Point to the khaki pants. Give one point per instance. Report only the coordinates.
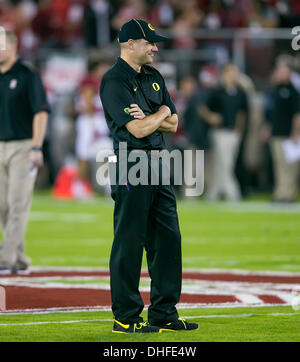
(286, 174)
(16, 186)
(225, 145)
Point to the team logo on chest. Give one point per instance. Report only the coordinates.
(13, 83)
(156, 86)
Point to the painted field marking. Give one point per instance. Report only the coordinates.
(247, 291)
(184, 317)
(251, 206)
(2, 299)
(186, 270)
(99, 308)
(54, 216)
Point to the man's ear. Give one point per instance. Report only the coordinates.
(131, 44)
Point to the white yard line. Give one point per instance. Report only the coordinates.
(244, 291)
(45, 269)
(99, 308)
(110, 320)
(59, 285)
(52, 310)
(248, 298)
(62, 216)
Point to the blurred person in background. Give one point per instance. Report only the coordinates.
(250, 166)
(163, 13)
(283, 123)
(293, 64)
(195, 127)
(92, 132)
(24, 115)
(186, 89)
(130, 9)
(17, 16)
(97, 30)
(225, 111)
(189, 18)
(58, 23)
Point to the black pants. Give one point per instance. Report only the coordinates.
(145, 217)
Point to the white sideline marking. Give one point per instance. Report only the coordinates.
(247, 293)
(100, 308)
(286, 297)
(250, 206)
(248, 298)
(54, 322)
(239, 315)
(188, 270)
(185, 317)
(53, 216)
(46, 269)
(60, 285)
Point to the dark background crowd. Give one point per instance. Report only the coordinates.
(92, 23)
(229, 66)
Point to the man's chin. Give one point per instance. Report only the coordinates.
(149, 60)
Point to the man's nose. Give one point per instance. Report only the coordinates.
(154, 48)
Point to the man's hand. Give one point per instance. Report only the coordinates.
(142, 126)
(136, 111)
(170, 124)
(215, 119)
(212, 118)
(295, 138)
(167, 109)
(265, 133)
(295, 135)
(36, 159)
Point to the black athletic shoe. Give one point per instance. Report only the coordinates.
(20, 269)
(143, 327)
(4, 270)
(178, 325)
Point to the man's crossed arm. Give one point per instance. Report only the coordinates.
(143, 126)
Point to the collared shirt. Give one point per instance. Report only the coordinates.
(22, 95)
(228, 104)
(122, 86)
(282, 106)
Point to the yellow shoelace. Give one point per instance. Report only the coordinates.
(140, 325)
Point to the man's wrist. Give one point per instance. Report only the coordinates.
(36, 148)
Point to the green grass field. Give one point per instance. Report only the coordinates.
(253, 235)
(223, 325)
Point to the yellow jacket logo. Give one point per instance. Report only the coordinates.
(126, 110)
(156, 86)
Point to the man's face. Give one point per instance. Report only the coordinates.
(282, 73)
(230, 75)
(9, 52)
(144, 51)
